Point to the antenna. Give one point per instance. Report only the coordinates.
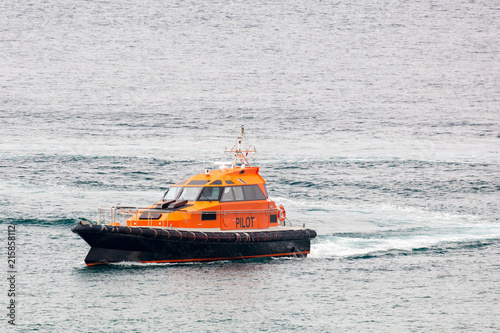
(239, 153)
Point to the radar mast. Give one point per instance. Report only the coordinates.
(240, 153)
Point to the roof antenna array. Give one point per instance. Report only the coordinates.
(241, 154)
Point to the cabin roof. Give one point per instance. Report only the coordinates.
(225, 177)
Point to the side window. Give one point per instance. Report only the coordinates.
(227, 194)
(210, 194)
(253, 192)
(238, 193)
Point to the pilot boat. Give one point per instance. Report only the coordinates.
(220, 214)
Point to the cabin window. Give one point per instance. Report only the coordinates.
(189, 193)
(198, 182)
(172, 193)
(253, 192)
(227, 194)
(240, 193)
(210, 194)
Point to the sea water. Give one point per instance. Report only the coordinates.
(376, 124)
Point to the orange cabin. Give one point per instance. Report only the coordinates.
(226, 199)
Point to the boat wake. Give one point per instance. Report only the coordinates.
(404, 241)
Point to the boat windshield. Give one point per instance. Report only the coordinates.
(189, 193)
(172, 193)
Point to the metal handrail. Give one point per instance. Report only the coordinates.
(121, 214)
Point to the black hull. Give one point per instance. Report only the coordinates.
(116, 244)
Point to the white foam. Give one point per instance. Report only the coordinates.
(338, 246)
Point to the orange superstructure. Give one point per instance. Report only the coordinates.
(226, 199)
